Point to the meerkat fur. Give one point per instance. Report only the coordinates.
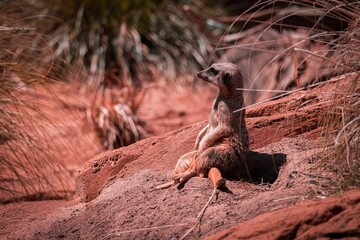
(223, 142)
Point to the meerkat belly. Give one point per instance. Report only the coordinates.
(228, 143)
(223, 156)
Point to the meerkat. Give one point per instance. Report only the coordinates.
(224, 141)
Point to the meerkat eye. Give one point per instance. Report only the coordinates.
(226, 78)
(213, 71)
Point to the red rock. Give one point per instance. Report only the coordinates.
(121, 203)
(333, 218)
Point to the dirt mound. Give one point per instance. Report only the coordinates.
(61, 134)
(333, 218)
(297, 115)
(118, 201)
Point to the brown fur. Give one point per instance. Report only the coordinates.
(223, 142)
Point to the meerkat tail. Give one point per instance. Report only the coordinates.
(165, 185)
(216, 179)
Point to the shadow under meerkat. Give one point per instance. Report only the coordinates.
(256, 168)
(223, 143)
(259, 167)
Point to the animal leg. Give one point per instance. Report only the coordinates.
(184, 162)
(214, 157)
(210, 139)
(192, 170)
(201, 136)
(184, 177)
(181, 173)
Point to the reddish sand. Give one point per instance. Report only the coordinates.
(115, 198)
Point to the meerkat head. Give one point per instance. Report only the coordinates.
(226, 76)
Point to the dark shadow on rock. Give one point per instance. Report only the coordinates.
(181, 186)
(225, 189)
(261, 167)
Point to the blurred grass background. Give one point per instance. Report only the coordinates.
(106, 46)
(124, 42)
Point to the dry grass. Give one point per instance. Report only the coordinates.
(122, 45)
(302, 43)
(126, 42)
(31, 157)
(113, 114)
(25, 156)
(342, 124)
(37, 48)
(309, 42)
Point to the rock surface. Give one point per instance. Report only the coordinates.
(116, 198)
(333, 218)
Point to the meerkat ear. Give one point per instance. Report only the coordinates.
(226, 78)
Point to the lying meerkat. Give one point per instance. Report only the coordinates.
(223, 142)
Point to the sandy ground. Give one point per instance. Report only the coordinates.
(115, 198)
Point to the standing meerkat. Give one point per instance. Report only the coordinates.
(224, 141)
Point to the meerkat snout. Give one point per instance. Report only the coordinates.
(202, 75)
(209, 74)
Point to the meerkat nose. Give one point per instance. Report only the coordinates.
(202, 75)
